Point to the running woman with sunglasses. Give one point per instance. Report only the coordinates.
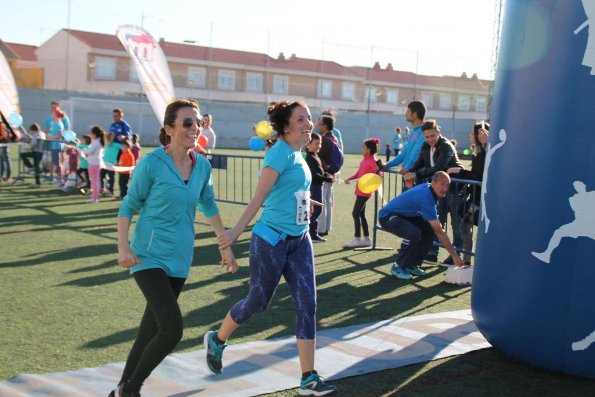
(168, 185)
(280, 244)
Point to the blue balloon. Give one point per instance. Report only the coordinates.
(15, 119)
(69, 135)
(255, 143)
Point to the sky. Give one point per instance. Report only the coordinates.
(434, 37)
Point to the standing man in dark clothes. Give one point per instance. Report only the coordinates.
(318, 177)
(325, 127)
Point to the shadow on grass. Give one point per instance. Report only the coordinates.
(74, 253)
(482, 373)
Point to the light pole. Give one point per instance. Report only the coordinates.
(377, 93)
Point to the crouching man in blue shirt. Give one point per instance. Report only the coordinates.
(413, 215)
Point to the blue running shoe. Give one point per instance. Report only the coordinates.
(400, 272)
(314, 385)
(417, 271)
(214, 353)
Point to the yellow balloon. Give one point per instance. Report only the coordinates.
(369, 183)
(263, 129)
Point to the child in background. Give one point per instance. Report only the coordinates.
(83, 170)
(370, 164)
(135, 148)
(126, 160)
(318, 176)
(71, 155)
(94, 154)
(110, 156)
(387, 152)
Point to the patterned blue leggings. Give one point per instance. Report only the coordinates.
(292, 259)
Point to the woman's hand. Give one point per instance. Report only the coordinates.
(347, 181)
(126, 258)
(227, 238)
(228, 260)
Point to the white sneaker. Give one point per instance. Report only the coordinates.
(357, 242)
(353, 243)
(91, 201)
(366, 241)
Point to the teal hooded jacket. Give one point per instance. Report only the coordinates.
(164, 234)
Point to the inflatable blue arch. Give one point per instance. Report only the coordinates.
(534, 283)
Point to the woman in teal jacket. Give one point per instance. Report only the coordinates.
(167, 187)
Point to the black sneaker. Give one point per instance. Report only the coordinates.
(314, 385)
(317, 239)
(431, 258)
(214, 353)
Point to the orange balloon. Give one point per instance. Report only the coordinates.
(203, 141)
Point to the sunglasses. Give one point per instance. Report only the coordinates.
(189, 122)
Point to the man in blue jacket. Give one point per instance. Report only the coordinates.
(416, 111)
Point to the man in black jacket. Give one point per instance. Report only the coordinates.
(438, 154)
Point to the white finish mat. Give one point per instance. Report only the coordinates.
(263, 367)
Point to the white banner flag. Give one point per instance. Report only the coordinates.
(151, 67)
(9, 96)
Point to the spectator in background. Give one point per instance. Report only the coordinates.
(126, 160)
(209, 133)
(319, 176)
(326, 124)
(94, 155)
(415, 113)
(479, 140)
(369, 165)
(49, 119)
(397, 141)
(34, 152)
(4, 157)
(120, 128)
(56, 132)
(135, 148)
(336, 133)
(387, 152)
(110, 158)
(83, 170)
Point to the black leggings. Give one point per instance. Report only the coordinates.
(359, 216)
(160, 328)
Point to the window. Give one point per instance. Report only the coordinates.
(227, 80)
(133, 75)
(372, 94)
(253, 82)
(392, 96)
(463, 102)
(445, 102)
(280, 85)
(428, 99)
(325, 88)
(105, 68)
(481, 104)
(348, 91)
(197, 77)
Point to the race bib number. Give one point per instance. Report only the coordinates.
(303, 207)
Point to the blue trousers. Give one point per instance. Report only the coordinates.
(292, 259)
(419, 233)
